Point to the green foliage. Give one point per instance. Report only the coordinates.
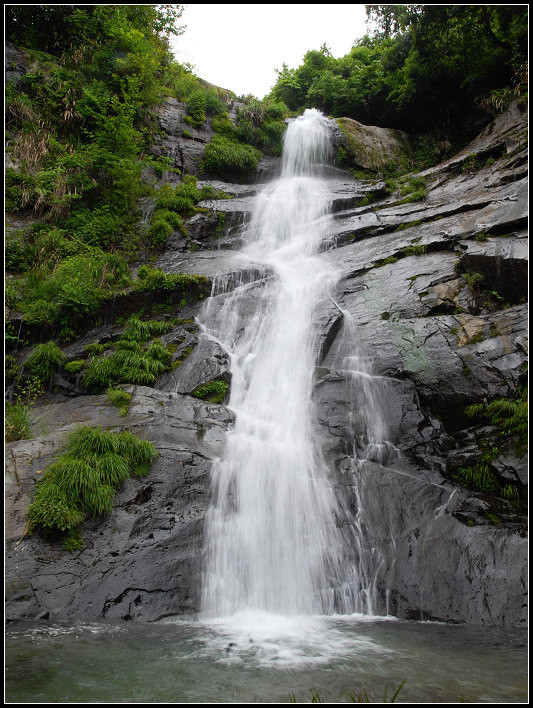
(188, 287)
(415, 250)
(212, 391)
(413, 190)
(45, 361)
(173, 203)
(73, 290)
(72, 367)
(79, 124)
(469, 58)
(197, 105)
(480, 475)
(509, 414)
(120, 399)
(386, 261)
(229, 159)
(354, 698)
(135, 358)
(83, 481)
(17, 421)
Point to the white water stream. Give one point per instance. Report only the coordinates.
(272, 542)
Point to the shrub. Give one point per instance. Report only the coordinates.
(74, 290)
(83, 481)
(197, 106)
(45, 361)
(188, 286)
(229, 159)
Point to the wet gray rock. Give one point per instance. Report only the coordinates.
(142, 561)
(437, 293)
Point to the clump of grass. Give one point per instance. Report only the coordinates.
(362, 697)
(228, 158)
(17, 421)
(416, 249)
(386, 261)
(120, 399)
(83, 481)
(188, 286)
(45, 361)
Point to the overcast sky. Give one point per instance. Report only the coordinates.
(239, 47)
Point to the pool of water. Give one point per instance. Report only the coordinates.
(265, 659)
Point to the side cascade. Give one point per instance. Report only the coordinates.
(273, 542)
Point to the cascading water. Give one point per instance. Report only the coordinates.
(273, 544)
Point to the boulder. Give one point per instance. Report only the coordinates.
(373, 148)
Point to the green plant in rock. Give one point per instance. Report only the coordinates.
(45, 361)
(11, 369)
(197, 107)
(362, 697)
(413, 190)
(72, 367)
(187, 286)
(480, 475)
(17, 421)
(212, 391)
(471, 164)
(416, 249)
(83, 481)
(73, 290)
(120, 399)
(135, 358)
(229, 159)
(386, 261)
(138, 330)
(174, 203)
(509, 414)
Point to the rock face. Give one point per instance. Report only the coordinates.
(436, 290)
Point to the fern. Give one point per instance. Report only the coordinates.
(133, 361)
(511, 415)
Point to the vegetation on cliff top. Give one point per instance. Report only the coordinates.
(425, 69)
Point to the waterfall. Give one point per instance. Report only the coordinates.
(272, 542)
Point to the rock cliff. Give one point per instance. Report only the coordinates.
(437, 290)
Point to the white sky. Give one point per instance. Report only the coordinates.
(238, 47)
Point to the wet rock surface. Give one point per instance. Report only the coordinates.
(436, 339)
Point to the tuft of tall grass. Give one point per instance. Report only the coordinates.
(17, 422)
(45, 361)
(84, 480)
